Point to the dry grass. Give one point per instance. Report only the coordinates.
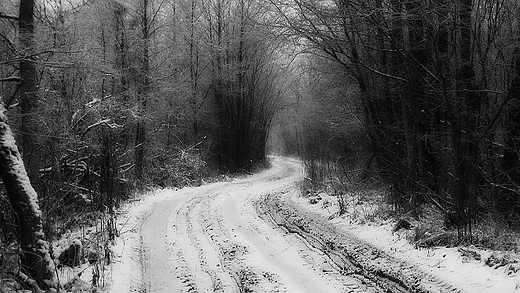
(496, 235)
(488, 233)
(368, 202)
(366, 205)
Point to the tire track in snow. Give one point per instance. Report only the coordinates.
(210, 239)
(278, 255)
(156, 257)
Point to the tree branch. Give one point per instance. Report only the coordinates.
(6, 16)
(10, 79)
(10, 44)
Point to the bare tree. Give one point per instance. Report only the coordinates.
(143, 90)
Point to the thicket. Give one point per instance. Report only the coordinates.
(435, 85)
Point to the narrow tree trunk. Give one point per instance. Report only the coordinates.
(469, 153)
(35, 258)
(398, 67)
(218, 87)
(143, 92)
(424, 167)
(511, 159)
(194, 69)
(120, 50)
(28, 93)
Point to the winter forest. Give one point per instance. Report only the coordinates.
(101, 100)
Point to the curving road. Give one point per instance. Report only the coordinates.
(211, 239)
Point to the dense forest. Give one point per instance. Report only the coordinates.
(426, 92)
(109, 98)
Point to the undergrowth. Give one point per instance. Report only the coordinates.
(488, 233)
(371, 201)
(69, 221)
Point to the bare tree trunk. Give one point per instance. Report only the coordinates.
(511, 158)
(469, 152)
(28, 93)
(422, 116)
(35, 258)
(143, 92)
(120, 50)
(218, 85)
(194, 68)
(397, 65)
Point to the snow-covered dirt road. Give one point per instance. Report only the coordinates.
(211, 239)
(258, 235)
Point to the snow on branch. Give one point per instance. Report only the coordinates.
(10, 79)
(107, 121)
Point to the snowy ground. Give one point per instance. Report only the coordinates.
(451, 266)
(211, 239)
